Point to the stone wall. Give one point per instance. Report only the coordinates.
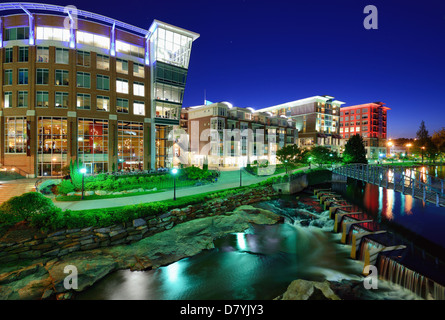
(62, 242)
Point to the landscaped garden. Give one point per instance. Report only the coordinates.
(112, 185)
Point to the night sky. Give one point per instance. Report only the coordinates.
(259, 53)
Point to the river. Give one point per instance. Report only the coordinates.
(258, 264)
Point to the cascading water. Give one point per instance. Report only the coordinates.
(367, 243)
(399, 274)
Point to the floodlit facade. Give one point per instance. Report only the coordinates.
(316, 119)
(78, 85)
(369, 120)
(227, 136)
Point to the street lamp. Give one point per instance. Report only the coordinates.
(83, 171)
(389, 144)
(423, 148)
(174, 172)
(407, 150)
(240, 176)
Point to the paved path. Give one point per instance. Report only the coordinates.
(12, 188)
(228, 179)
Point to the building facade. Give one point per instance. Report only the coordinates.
(370, 122)
(223, 135)
(316, 119)
(80, 86)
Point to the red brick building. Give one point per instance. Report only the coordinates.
(369, 121)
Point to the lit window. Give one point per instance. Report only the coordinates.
(42, 54)
(138, 89)
(122, 105)
(122, 85)
(139, 108)
(122, 66)
(102, 62)
(49, 33)
(62, 77)
(83, 101)
(102, 103)
(8, 100)
(61, 99)
(15, 135)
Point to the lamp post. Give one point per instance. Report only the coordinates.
(407, 150)
(174, 172)
(423, 148)
(83, 171)
(389, 144)
(240, 176)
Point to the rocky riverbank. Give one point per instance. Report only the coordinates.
(44, 278)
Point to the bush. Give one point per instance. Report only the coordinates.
(27, 207)
(66, 186)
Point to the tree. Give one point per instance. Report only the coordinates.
(291, 155)
(355, 151)
(422, 135)
(76, 176)
(438, 139)
(321, 155)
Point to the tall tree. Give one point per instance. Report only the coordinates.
(422, 135)
(355, 151)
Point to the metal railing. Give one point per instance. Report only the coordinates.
(420, 185)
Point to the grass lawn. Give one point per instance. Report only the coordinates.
(108, 196)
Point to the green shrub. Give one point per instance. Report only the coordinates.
(25, 208)
(66, 186)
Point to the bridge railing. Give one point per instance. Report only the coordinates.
(426, 187)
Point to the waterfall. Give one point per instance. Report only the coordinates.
(397, 273)
(366, 242)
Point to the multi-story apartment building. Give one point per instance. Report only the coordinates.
(78, 85)
(228, 136)
(316, 119)
(369, 121)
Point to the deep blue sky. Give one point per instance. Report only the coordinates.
(258, 53)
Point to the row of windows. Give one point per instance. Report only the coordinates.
(83, 58)
(82, 37)
(83, 80)
(83, 102)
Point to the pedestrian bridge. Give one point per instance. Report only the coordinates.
(411, 181)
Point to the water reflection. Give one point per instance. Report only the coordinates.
(383, 204)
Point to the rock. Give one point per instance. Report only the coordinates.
(89, 193)
(70, 194)
(47, 293)
(101, 192)
(308, 290)
(139, 222)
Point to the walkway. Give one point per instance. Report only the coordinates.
(227, 180)
(13, 188)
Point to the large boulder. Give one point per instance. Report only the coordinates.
(308, 290)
